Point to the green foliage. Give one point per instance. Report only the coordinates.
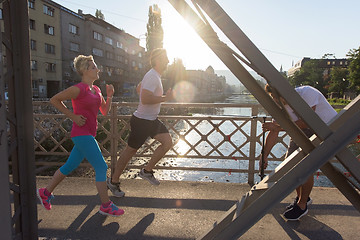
(310, 74)
(354, 69)
(99, 14)
(338, 80)
(155, 33)
(328, 56)
(338, 101)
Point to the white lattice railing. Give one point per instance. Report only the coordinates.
(200, 136)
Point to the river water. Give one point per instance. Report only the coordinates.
(180, 175)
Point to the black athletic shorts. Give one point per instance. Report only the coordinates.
(141, 129)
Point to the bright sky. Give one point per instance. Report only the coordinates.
(284, 31)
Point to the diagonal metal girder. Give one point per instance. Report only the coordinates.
(256, 198)
(347, 159)
(256, 58)
(296, 176)
(226, 55)
(257, 61)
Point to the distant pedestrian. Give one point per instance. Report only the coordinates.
(86, 101)
(144, 123)
(315, 99)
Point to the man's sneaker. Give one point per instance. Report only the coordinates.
(111, 210)
(295, 213)
(44, 199)
(114, 188)
(290, 206)
(149, 176)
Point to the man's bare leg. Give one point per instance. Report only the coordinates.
(165, 144)
(305, 191)
(122, 162)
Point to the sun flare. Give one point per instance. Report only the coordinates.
(181, 41)
(184, 92)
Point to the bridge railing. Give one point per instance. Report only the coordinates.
(203, 131)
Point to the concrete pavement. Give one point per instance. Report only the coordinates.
(184, 210)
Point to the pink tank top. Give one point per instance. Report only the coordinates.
(86, 104)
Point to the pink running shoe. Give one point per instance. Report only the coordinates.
(44, 199)
(111, 210)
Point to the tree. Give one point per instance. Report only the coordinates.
(99, 14)
(338, 80)
(310, 74)
(354, 69)
(328, 56)
(155, 33)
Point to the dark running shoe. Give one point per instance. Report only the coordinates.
(149, 176)
(114, 188)
(291, 205)
(295, 213)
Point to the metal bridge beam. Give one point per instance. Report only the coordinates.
(320, 151)
(20, 147)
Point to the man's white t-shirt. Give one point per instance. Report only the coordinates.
(152, 83)
(314, 97)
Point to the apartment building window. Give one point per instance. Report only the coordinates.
(126, 49)
(100, 67)
(109, 55)
(1, 13)
(32, 44)
(140, 65)
(48, 10)
(33, 64)
(98, 36)
(140, 55)
(73, 29)
(133, 63)
(98, 52)
(133, 52)
(109, 70)
(32, 24)
(118, 71)
(48, 29)
(50, 67)
(74, 47)
(35, 84)
(119, 58)
(119, 45)
(49, 48)
(31, 4)
(108, 41)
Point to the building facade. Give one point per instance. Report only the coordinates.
(325, 64)
(117, 53)
(73, 38)
(208, 84)
(58, 35)
(45, 47)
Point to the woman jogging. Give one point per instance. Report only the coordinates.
(86, 101)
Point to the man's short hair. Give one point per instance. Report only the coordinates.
(155, 54)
